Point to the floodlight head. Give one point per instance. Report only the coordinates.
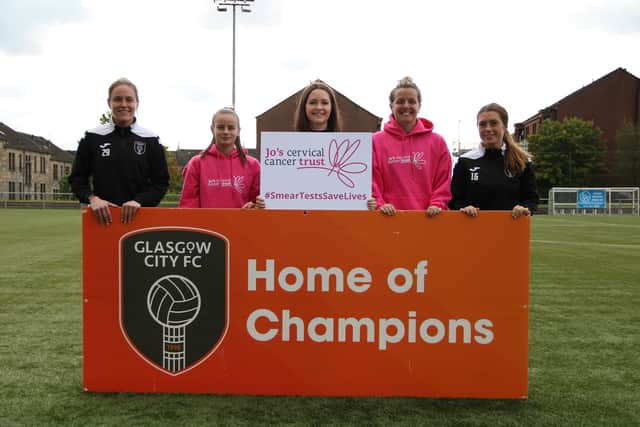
(222, 9)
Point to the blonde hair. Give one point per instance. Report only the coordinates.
(123, 81)
(405, 82)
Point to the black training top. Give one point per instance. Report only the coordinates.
(481, 180)
(123, 163)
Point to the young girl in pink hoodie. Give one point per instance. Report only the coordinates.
(223, 175)
(411, 163)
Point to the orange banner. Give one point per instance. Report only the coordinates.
(307, 303)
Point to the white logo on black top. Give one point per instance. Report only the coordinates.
(106, 150)
(139, 147)
(474, 173)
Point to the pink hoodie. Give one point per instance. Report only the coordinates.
(412, 171)
(219, 181)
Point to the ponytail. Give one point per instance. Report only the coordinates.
(204, 152)
(516, 158)
(241, 154)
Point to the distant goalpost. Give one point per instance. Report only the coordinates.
(594, 201)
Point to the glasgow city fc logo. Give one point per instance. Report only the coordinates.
(139, 147)
(174, 295)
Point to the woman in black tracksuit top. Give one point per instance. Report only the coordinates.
(120, 163)
(497, 175)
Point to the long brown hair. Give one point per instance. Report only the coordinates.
(516, 158)
(300, 119)
(227, 110)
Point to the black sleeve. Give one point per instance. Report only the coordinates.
(81, 171)
(458, 188)
(528, 189)
(158, 177)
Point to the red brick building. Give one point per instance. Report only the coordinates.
(280, 117)
(609, 102)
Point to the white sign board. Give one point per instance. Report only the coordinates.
(315, 170)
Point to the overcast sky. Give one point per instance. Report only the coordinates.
(57, 59)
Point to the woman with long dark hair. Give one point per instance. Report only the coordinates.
(317, 109)
(498, 174)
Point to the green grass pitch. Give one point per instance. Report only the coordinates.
(584, 335)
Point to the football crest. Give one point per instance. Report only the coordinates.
(139, 147)
(173, 295)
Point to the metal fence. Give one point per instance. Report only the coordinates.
(594, 201)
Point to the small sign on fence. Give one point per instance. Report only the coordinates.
(591, 199)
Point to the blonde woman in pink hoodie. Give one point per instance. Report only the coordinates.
(222, 175)
(411, 163)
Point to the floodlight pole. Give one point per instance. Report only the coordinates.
(459, 145)
(245, 6)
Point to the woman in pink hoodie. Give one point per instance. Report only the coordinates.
(411, 163)
(223, 175)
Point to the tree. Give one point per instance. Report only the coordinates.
(175, 173)
(628, 154)
(568, 153)
(64, 186)
(105, 118)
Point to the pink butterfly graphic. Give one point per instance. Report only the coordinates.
(338, 158)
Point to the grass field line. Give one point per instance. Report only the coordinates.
(590, 244)
(558, 223)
